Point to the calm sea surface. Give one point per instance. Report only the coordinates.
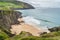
(50, 14)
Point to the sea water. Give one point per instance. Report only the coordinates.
(47, 16)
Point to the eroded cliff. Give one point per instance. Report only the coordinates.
(7, 18)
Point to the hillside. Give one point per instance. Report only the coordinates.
(14, 5)
(28, 36)
(3, 35)
(49, 36)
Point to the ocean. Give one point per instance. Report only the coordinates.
(49, 17)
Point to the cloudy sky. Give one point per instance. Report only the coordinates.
(44, 3)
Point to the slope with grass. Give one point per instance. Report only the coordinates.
(3, 35)
(14, 5)
(49, 36)
(28, 36)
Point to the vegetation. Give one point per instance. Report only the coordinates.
(8, 15)
(6, 7)
(7, 0)
(12, 5)
(27, 36)
(6, 10)
(9, 5)
(3, 35)
(49, 36)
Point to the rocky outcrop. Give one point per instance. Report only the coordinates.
(7, 18)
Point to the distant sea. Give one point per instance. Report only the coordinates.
(50, 14)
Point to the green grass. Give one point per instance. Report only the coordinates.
(56, 36)
(49, 36)
(9, 5)
(38, 38)
(52, 34)
(3, 36)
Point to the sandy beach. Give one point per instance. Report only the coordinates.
(16, 29)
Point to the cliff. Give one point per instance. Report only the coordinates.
(7, 18)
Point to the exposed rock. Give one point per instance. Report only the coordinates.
(7, 18)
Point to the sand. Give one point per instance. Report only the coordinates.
(16, 29)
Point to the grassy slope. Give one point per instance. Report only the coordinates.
(8, 5)
(3, 36)
(49, 36)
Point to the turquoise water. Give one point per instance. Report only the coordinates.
(47, 11)
(50, 14)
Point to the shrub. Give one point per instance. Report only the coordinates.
(3, 35)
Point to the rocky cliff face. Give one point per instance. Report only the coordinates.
(7, 18)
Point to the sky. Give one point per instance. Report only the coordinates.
(44, 3)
